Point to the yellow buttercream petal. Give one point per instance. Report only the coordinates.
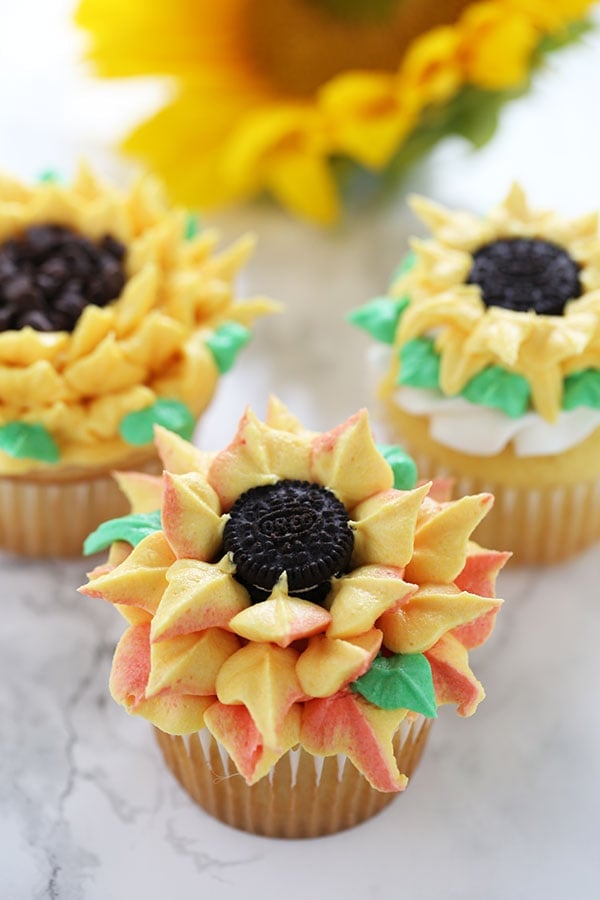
(328, 664)
(428, 614)
(441, 539)
(346, 461)
(189, 664)
(179, 456)
(263, 678)
(143, 491)
(458, 229)
(27, 346)
(104, 370)
(384, 527)
(279, 416)
(138, 297)
(280, 619)
(36, 385)
(358, 599)
(198, 596)
(191, 516)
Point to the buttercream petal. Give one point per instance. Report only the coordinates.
(453, 679)
(360, 598)
(191, 516)
(262, 678)
(457, 228)
(327, 665)
(178, 456)
(198, 596)
(428, 614)
(384, 527)
(143, 491)
(346, 461)
(189, 664)
(441, 539)
(280, 619)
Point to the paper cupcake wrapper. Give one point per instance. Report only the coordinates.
(539, 525)
(302, 796)
(42, 516)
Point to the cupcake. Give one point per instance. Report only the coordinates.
(488, 368)
(297, 608)
(114, 316)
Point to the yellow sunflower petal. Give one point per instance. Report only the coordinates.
(453, 679)
(384, 527)
(346, 461)
(190, 664)
(328, 664)
(459, 229)
(263, 678)
(198, 596)
(141, 579)
(359, 599)
(144, 492)
(496, 45)
(441, 539)
(280, 619)
(179, 456)
(191, 516)
(428, 614)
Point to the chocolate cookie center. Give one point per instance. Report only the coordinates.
(525, 274)
(50, 274)
(290, 526)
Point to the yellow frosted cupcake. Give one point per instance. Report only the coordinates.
(297, 609)
(489, 368)
(114, 315)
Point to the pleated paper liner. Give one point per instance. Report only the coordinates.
(546, 509)
(303, 795)
(51, 513)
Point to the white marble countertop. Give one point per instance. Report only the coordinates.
(505, 805)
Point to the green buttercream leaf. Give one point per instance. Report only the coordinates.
(419, 364)
(402, 681)
(193, 226)
(49, 176)
(499, 389)
(133, 529)
(23, 440)
(225, 344)
(405, 266)
(402, 465)
(137, 428)
(582, 389)
(379, 317)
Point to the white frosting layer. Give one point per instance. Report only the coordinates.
(481, 431)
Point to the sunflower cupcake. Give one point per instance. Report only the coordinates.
(114, 316)
(297, 608)
(490, 367)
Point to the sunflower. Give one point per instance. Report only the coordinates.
(295, 588)
(267, 93)
(503, 310)
(114, 313)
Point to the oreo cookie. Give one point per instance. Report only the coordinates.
(290, 526)
(525, 274)
(50, 274)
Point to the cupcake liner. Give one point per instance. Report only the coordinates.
(302, 796)
(51, 514)
(538, 524)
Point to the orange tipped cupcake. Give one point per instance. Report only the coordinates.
(114, 316)
(297, 609)
(489, 368)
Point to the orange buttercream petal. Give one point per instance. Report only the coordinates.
(481, 570)
(360, 598)
(428, 614)
(140, 580)
(179, 456)
(280, 619)
(175, 713)
(143, 491)
(234, 728)
(346, 461)
(198, 596)
(131, 666)
(348, 724)
(441, 539)
(263, 678)
(189, 664)
(327, 665)
(191, 516)
(453, 679)
(384, 527)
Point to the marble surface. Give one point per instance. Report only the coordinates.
(504, 805)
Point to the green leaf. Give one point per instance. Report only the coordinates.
(401, 681)
(133, 529)
(379, 317)
(499, 389)
(405, 266)
(137, 428)
(24, 440)
(419, 364)
(225, 344)
(582, 389)
(402, 465)
(49, 176)
(193, 226)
